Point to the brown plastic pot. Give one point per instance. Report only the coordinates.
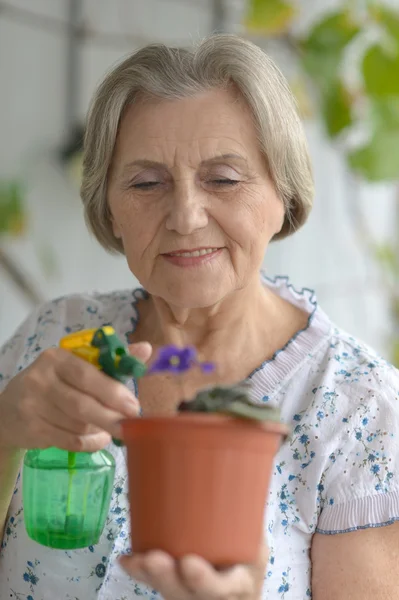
(198, 484)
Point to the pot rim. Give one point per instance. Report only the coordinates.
(209, 419)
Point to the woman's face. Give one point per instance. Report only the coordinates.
(191, 198)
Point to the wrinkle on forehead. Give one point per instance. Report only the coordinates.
(187, 131)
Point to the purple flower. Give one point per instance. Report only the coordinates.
(177, 360)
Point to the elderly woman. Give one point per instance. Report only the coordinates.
(194, 161)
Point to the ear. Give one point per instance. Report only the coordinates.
(116, 230)
(281, 216)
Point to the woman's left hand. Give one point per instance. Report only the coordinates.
(193, 578)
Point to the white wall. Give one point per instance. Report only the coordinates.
(325, 255)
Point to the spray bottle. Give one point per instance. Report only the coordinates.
(67, 495)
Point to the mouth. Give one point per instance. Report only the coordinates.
(193, 257)
(192, 253)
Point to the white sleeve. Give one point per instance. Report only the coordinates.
(42, 329)
(46, 325)
(19, 350)
(361, 485)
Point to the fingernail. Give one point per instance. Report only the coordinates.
(132, 409)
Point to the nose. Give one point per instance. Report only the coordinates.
(187, 210)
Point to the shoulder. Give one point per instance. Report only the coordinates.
(350, 394)
(88, 307)
(344, 404)
(356, 372)
(352, 353)
(46, 324)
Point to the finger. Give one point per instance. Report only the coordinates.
(59, 419)
(84, 443)
(50, 436)
(86, 378)
(141, 350)
(158, 570)
(87, 409)
(164, 575)
(133, 565)
(200, 577)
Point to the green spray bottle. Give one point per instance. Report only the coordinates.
(67, 495)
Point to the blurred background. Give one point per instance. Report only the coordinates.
(342, 61)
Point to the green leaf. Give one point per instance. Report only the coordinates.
(233, 400)
(336, 106)
(395, 353)
(333, 33)
(385, 254)
(269, 17)
(323, 68)
(384, 113)
(381, 72)
(323, 48)
(387, 18)
(378, 160)
(251, 411)
(12, 214)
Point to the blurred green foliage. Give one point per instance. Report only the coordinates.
(12, 209)
(373, 103)
(363, 34)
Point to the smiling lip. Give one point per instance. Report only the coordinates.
(192, 257)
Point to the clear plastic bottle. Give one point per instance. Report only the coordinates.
(66, 496)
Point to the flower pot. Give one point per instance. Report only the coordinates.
(198, 484)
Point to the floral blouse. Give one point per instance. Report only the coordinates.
(336, 473)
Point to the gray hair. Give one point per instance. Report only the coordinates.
(171, 73)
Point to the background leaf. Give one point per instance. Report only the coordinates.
(269, 16)
(384, 113)
(378, 160)
(337, 108)
(12, 213)
(323, 48)
(387, 18)
(386, 255)
(381, 72)
(395, 353)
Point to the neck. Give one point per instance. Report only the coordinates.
(210, 328)
(237, 334)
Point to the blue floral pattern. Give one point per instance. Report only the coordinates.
(337, 472)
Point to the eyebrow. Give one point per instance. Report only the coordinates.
(143, 162)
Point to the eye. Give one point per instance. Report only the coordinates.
(223, 181)
(145, 185)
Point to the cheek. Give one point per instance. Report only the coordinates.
(125, 215)
(268, 210)
(137, 225)
(271, 216)
(135, 238)
(255, 219)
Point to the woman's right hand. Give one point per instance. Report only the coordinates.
(61, 400)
